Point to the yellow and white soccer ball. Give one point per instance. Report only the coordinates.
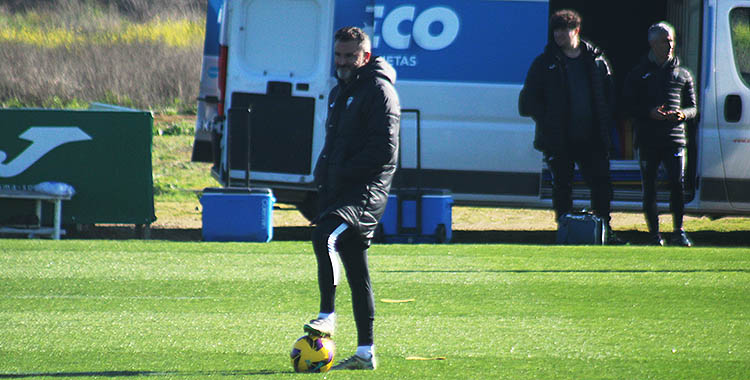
(312, 354)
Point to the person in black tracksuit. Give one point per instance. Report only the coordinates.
(353, 176)
(659, 94)
(569, 93)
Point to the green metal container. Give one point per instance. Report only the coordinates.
(103, 152)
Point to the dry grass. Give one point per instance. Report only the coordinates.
(510, 219)
(136, 10)
(136, 75)
(133, 53)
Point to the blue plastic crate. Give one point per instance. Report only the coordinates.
(437, 217)
(237, 214)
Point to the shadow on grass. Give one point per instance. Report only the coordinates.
(538, 237)
(700, 238)
(521, 271)
(143, 373)
(119, 232)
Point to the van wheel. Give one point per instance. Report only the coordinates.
(309, 207)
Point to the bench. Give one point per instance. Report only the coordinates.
(55, 231)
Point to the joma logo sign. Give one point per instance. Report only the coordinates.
(43, 140)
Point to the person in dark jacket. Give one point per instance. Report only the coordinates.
(660, 96)
(353, 176)
(570, 95)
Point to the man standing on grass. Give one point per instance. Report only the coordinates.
(660, 95)
(353, 176)
(570, 95)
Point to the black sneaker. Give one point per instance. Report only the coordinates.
(681, 239)
(656, 240)
(356, 362)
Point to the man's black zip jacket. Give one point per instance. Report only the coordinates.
(356, 166)
(545, 97)
(649, 86)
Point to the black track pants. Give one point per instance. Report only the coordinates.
(674, 164)
(333, 239)
(594, 168)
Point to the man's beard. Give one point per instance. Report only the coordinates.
(344, 73)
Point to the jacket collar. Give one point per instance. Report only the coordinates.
(587, 48)
(650, 62)
(377, 67)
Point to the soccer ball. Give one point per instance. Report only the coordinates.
(312, 354)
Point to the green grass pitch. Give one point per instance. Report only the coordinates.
(131, 309)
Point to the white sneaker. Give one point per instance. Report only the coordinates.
(356, 362)
(321, 327)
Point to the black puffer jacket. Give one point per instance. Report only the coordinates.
(356, 166)
(649, 86)
(545, 98)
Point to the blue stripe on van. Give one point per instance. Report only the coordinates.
(211, 44)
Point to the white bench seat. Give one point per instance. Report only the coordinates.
(55, 231)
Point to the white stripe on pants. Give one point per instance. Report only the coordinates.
(333, 253)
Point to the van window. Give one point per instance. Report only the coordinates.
(740, 21)
(281, 37)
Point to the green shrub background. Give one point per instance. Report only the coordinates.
(134, 53)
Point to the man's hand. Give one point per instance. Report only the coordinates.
(658, 113)
(661, 113)
(675, 115)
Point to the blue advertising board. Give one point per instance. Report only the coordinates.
(452, 40)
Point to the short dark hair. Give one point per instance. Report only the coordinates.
(660, 29)
(565, 19)
(352, 33)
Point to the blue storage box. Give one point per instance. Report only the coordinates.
(237, 214)
(436, 217)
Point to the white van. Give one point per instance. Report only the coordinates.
(461, 64)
